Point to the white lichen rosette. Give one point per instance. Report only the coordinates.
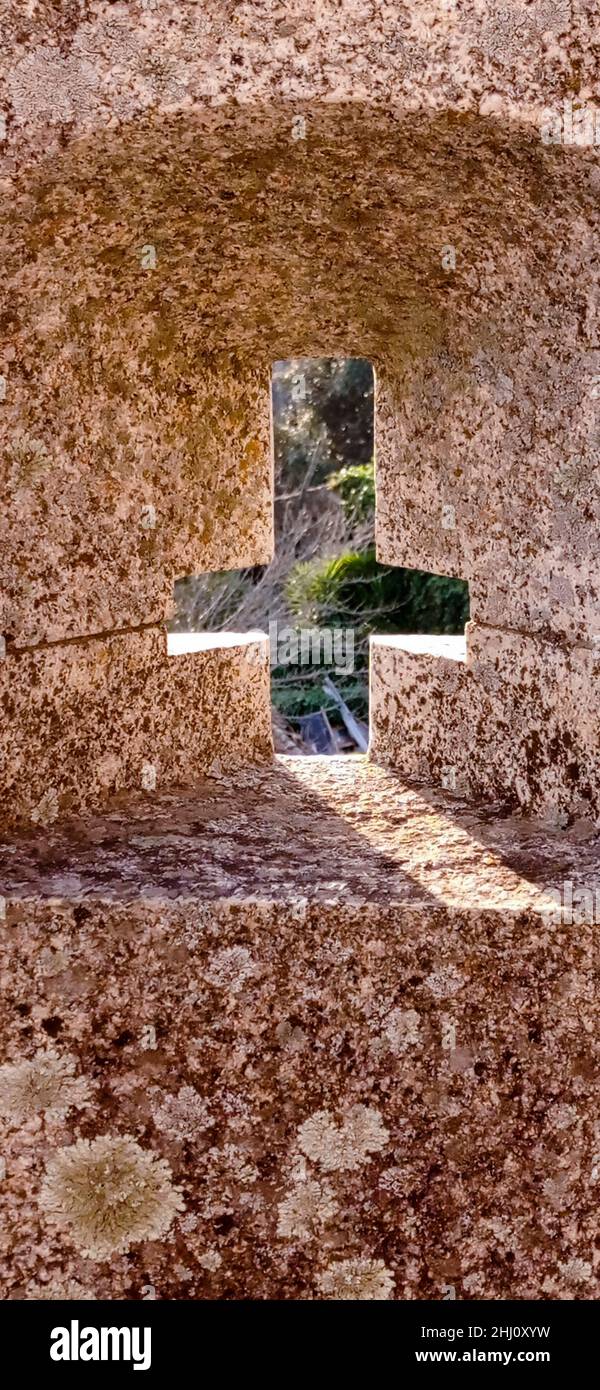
(109, 1193)
(45, 1085)
(358, 1279)
(184, 1116)
(305, 1210)
(346, 1144)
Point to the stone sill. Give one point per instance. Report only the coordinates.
(339, 831)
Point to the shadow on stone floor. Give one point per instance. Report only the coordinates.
(326, 829)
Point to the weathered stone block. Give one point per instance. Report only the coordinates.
(354, 1048)
(507, 717)
(487, 461)
(108, 501)
(84, 720)
(337, 1009)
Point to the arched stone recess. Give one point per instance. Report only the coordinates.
(155, 271)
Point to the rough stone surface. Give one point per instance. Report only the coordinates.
(363, 1047)
(84, 720)
(80, 67)
(317, 1031)
(119, 478)
(517, 720)
(487, 446)
(380, 839)
(362, 180)
(125, 381)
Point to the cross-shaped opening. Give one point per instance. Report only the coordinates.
(324, 594)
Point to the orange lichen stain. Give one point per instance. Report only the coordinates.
(251, 455)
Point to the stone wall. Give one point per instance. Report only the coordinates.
(86, 719)
(487, 453)
(159, 268)
(194, 191)
(510, 717)
(265, 182)
(324, 1042)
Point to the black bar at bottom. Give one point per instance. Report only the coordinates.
(153, 1341)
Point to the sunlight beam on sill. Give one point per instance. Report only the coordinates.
(428, 839)
(180, 642)
(452, 648)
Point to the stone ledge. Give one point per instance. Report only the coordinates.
(338, 831)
